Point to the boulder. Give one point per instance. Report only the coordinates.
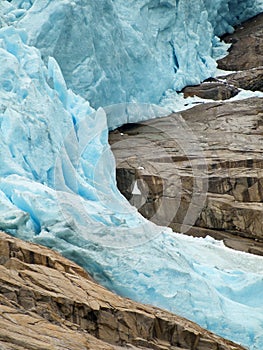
(213, 90)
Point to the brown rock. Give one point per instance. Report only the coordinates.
(245, 56)
(246, 51)
(215, 173)
(213, 90)
(48, 302)
(250, 79)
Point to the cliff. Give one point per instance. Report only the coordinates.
(208, 158)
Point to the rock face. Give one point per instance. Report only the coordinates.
(211, 178)
(48, 302)
(246, 51)
(204, 177)
(245, 56)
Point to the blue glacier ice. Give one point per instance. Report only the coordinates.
(112, 51)
(57, 174)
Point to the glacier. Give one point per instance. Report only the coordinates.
(129, 45)
(67, 72)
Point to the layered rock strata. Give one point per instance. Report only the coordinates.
(205, 175)
(209, 157)
(49, 302)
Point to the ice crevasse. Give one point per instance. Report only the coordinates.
(57, 174)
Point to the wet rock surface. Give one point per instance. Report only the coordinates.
(48, 302)
(201, 168)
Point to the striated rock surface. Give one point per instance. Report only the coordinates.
(211, 178)
(48, 302)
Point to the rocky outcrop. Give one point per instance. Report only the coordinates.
(245, 57)
(48, 302)
(213, 90)
(246, 50)
(228, 86)
(206, 170)
(250, 79)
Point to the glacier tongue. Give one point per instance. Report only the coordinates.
(57, 175)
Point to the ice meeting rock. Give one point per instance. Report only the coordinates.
(57, 174)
